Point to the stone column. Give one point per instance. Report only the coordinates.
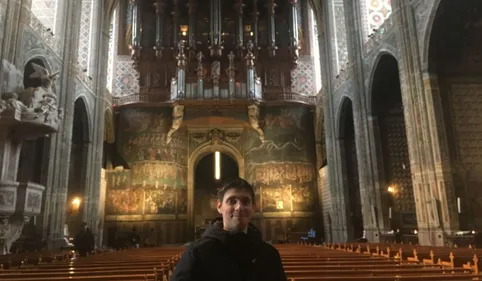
(433, 188)
(13, 36)
(59, 155)
(325, 19)
(370, 193)
(99, 47)
(8, 12)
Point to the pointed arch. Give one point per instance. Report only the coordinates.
(385, 56)
(82, 115)
(109, 126)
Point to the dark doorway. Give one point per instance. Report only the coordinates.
(205, 185)
(78, 167)
(350, 165)
(455, 65)
(394, 161)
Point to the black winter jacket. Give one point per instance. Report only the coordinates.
(220, 256)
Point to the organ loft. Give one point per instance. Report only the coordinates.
(353, 120)
(215, 85)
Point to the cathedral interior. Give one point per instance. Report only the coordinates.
(355, 119)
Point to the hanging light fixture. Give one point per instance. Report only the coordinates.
(217, 165)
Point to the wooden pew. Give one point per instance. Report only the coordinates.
(399, 269)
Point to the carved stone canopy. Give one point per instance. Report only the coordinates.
(216, 136)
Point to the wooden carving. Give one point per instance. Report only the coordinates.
(177, 116)
(253, 115)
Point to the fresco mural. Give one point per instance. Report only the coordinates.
(161, 201)
(118, 178)
(276, 199)
(288, 133)
(156, 181)
(283, 166)
(270, 173)
(125, 201)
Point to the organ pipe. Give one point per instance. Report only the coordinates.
(255, 17)
(135, 23)
(239, 24)
(293, 22)
(271, 5)
(216, 39)
(192, 6)
(136, 32)
(175, 22)
(160, 8)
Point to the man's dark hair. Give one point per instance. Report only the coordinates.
(237, 183)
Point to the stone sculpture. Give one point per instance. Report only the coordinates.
(25, 114)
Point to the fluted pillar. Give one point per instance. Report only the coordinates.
(94, 151)
(433, 187)
(60, 145)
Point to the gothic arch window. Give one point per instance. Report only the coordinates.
(85, 34)
(112, 50)
(339, 51)
(315, 49)
(374, 13)
(46, 12)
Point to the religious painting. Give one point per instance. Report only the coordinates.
(161, 200)
(288, 136)
(154, 174)
(276, 199)
(274, 173)
(124, 201)
(33, 202)
(303, 198)
(233, 114)
(292, 181)
(257, 197)
(143, 134)
(182, 201)
(118, 178)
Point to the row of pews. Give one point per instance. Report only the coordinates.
(133, 264)
(378, 262)
(302, 262)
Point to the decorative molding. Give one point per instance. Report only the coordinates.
(215, 136)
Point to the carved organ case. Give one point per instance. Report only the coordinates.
(205, 49)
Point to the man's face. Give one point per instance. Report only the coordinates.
(236, 209)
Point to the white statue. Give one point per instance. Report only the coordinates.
(33, 97)
(35, 103)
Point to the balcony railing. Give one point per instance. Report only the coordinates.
(56, 45)
(165, 96)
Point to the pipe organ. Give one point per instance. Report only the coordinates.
(218, 49)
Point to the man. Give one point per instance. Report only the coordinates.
(84, 240)
(231, 248)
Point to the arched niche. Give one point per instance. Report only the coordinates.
(351, 182)
(194, 158)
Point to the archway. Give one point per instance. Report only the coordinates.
(194, 158)
(455, 68)
(206, 185)
(392, 148)
(78, 167)
(350, 171)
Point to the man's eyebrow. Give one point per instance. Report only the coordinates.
(238, 197)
